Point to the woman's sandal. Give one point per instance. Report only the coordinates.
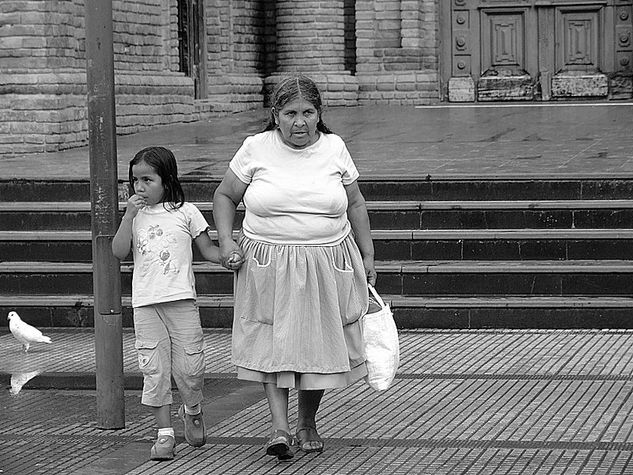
(279, 445)
(306, 438)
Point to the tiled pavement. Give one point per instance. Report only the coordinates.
(464, 402)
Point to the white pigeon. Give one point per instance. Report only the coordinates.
(25, 333)
(20, 379)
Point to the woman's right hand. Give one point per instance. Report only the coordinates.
(231, 255)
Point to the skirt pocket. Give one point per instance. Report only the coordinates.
(348, 280)
(256, 286)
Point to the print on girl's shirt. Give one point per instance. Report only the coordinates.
(157, 245)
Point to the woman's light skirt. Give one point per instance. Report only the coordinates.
(297, 311)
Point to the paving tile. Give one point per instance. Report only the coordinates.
(497, 401)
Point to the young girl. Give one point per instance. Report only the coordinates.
(159, 226)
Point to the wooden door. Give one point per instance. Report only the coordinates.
(191, 43)
(525, 50)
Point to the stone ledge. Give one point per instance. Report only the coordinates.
(504, 88)
(580, 85)
(461, 89)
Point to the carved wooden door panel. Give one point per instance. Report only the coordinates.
(508, 66)
(579, 60)
(524, 50)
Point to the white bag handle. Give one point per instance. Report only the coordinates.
(376, 296)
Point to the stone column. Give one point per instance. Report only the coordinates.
(311, 40)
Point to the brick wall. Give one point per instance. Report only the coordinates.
(42, 98)
(391, 50)
(35, 36)
(141, 35)
(397, 49)
(390, 56)
(43, 79)
(150, 89)
(240, 53)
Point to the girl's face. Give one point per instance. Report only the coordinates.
(297, 122)
(147, 183)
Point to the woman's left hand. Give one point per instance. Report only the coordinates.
(370, 270)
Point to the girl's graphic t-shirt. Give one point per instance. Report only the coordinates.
(163, 254)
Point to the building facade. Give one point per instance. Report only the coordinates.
(186, 60)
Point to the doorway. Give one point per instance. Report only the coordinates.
(191, 44)
(527, 50)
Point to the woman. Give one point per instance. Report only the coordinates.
(307, 258)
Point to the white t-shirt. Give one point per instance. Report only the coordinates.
(163, 255)
(295, 196)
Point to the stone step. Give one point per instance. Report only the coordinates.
(406, 244)
(506, 214)
(374, 188)
(420, 278)
(545, 214)
(76, 310)
(504, 244)
(493, 253)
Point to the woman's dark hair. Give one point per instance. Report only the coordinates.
(163, 161)
(291, 88)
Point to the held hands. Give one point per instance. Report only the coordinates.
(231, 256)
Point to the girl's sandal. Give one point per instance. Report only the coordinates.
(309, 440)
(279, 445)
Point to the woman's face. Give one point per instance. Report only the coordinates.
(297, 122)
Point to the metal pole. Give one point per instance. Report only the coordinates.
(104, 207)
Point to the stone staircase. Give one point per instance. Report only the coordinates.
(480, 253)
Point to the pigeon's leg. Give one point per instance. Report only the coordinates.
(25, 347)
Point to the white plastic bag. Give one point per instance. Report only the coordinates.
(380, 341)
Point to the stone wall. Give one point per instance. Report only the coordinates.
(359, 52)
(240, 48)
(43, 79)
(42, 95)
(397, 51)
(379, 52)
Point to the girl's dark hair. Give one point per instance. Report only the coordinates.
(291, 88)
(163, 161)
